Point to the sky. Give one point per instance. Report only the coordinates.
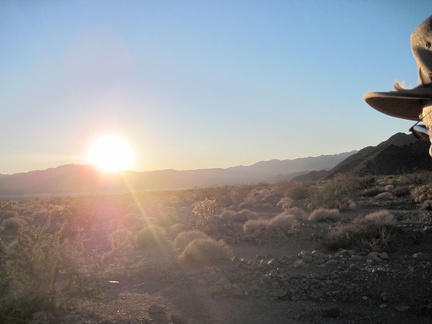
(199, 84)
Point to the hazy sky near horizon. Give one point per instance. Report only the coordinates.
(199, 84)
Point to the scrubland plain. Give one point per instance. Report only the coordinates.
(344, 250)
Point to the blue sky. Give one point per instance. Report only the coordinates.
(199, 84)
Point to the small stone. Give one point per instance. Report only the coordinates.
(331, 263)
(331, 313)
(383, 256)
(216, 289)
(421, 256)
(281, 294)
(374, 256)
(354, 267)
(402, 308)
(301, 264)
(155, 309)
(364, 298)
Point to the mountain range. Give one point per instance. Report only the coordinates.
(401, 153)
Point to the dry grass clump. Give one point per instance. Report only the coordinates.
(299, 213)
(285, 203)
(9, 214)
(422, 193)
(178, 228)
(334, 193)
(255, 227)
(282, 222)
(298, 190)
(150, 236)
(204, 251)
(324, 215)
(379, 218)
(241, 216)
(41, 217)
(385, 196)
(167, 217)
(373, 231)
(184, 238)
(13, 224)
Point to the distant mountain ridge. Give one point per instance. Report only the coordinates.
(85, 178)
(401, 153)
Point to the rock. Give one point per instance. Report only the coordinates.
(331, 313)
(374, 256)
(421, 256)
(223, 281)
(383, 256)
(216, 290)
(365, 298)
(237, 291)
(40, 316)
(281, 294)
(331, 263)
(354, 267)
(402, 308)
(155, 309)
(301, 264)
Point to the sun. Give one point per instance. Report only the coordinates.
(111, 153)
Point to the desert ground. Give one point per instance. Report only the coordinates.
(344, 250)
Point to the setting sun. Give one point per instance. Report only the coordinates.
(110, 153)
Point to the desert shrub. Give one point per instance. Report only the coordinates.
(282, 222)
(13, 224)
(299, 213)
(204, 251)
(333, 193)
(373, 231)
(241, 216)
(379, 218)
(285, 203)
(9, 214)
(41, 217)
(178, 228)
(184, 238)
(29, 274)
(255, 227)
(167, 217)
(204, 211)
(150, 236)
(298, 190)
(120, 238)
(422, 193)
(371, 192)
(385, 196)
(324, 215)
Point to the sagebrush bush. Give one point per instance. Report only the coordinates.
(184, 238)
(204, 251)
(9, 214)
(150, 236)
(282, 222)
(324, 215)
(373, 231)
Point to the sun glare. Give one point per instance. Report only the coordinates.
(110, 153)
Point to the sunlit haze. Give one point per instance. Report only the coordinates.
(110, 153)
(198, 84)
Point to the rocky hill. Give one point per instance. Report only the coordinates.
(401, 153)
